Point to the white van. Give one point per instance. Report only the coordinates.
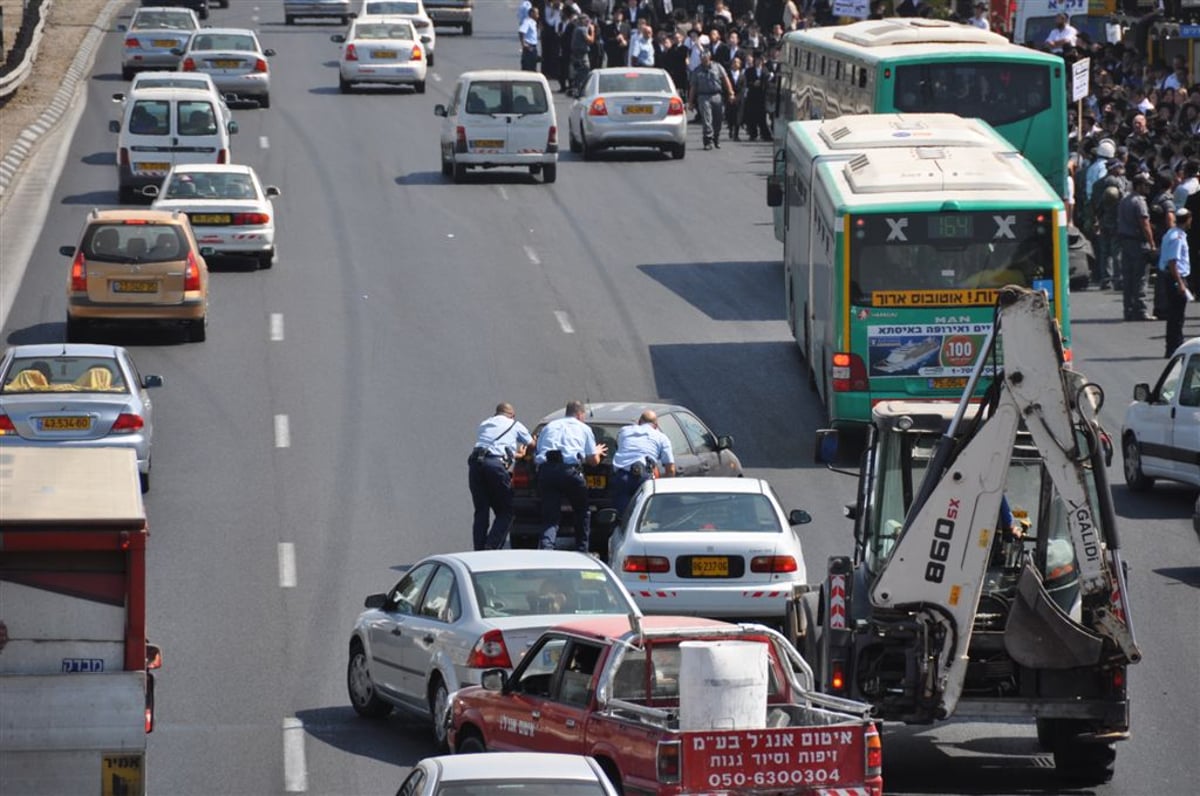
(500, 117)
(164, 127)
(1034, 19)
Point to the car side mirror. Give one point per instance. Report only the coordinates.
(233, 127)
(66, 251)
(826, 449)
(799, 517)
(425, 40)
(229, 97)
(375, 601)
(150, 191)
(271, 190)
(268, 52)
(119, 96)
(494, 680)
(1141, 392)
(338, 38)
(606, 516)
(725, 442)
(114, 126)
(122, 28)
(774, 191)
(207, 251)
(152, 380)
(439, 110)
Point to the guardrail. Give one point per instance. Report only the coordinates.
(25, 47)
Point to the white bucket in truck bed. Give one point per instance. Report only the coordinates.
(722, 685)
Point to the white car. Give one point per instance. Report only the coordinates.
(153, 35)
(628, 107)
(453, 616)
(409, 9)
(1160, 436)
(381, 50)
(234, 58)
(163, 79)
(514, 773)
(722, 548)
(229, 209)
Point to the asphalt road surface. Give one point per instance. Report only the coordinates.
(326, 421)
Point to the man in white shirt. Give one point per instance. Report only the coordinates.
(980, 20)
(1061, 35)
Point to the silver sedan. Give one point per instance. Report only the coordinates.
(235, 60)
(453, 616)
(628, 107)
(153, 36)
(79, 395)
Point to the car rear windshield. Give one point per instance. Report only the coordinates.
(543, 787)
(644, 82)
(503, 96)
(172, 82)
(134, 243)
(162, 20)
(63, 374)
(223, 41)
(524, 592)
(202, 185)
(709, 512)
(150, 117)
(196, 117)
(393, 7)
(380, 30)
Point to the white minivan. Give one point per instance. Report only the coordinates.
(164, 127)
(500, 117)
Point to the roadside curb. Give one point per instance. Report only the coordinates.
(19, 152)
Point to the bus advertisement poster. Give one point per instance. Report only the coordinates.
(927, 350)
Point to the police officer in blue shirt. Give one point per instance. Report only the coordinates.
(499, 441)
(1174, 267)
(641, 448)
(564, 446)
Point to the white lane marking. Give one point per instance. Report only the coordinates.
(264, 142)
(287, 565)
(276, 327)
(437, 78)
(283, 438)
(532, 255)
(564, 321)
(503, 193)
(295, 770)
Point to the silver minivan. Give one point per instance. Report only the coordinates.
(165, 127)
(499, 117)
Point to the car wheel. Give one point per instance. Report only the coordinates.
(678, 151)
(264, 101)
(549, 173)
(76, 330)
(1135, 479)
(429, 61)
(439, 704)
(197, 330)
(588, 152)
(266, 259)
(144, 478)
(460, 172)
(471, 745)
(345, 86)
(420, 87)
(127, 195)
(128, 73)
(573, 142)
(1077, 760)
(468, 28)
(447, 168)
(361, 687)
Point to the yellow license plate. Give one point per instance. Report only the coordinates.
(226, 63)
(153, 166)
(210, 218)
(164, 43)
(710, 567)
(956, 383)
(392, 54)
(134, 286)
(639, 109)
(596, 481)
(65, 423)
(487, 143)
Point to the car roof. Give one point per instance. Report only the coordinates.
(494, 560)
(621, 70)
(606, 627)
(226, 31)
(212, 168)
(513, 765)
(168, 92)
(123, 214)
(1189, 346)
(61, 349)
(617, 412)
(375, 19)
(710, 486)
(502, 74)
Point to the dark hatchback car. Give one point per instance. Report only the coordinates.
(698, 452)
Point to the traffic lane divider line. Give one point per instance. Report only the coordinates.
(283, 437)
(532, 255)
(287, 565)
(276, 327)
(295, 768)
(564, 321)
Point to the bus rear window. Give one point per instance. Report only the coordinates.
(997, 92)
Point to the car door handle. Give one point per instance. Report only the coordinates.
(537, 714)
(570, 723)
(396, 631)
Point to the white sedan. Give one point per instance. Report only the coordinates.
(628, 107)
(513, 773)
(715, 547)
(381, 50)
(409, 9)
(229, 209)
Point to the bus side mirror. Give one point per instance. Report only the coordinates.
(774, 191)
(826, 450)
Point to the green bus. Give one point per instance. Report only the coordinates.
(899, 230)
(916, 65)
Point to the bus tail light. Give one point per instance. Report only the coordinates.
(668, 762)
(849, 373)
(489, 652)
(874, 753)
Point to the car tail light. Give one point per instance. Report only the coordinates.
(460, 139)
(188, 65)
(773, 564)
(127, 423)
(260, 65)
(124, 156)
(149, 720)
(645, 564)
(874, 753)
(132, 42)
(849, 373)
(351, 53)
(667, 762)
(675, 108)
(222, 156)
(417, 55)
(552, 139)
(598, 108)
(191, 274)
(6, 426)
(837, 676)
(250, 219)
(489, 652)
(79, 273)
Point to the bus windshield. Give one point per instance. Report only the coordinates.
(998, 92)
(891, 254)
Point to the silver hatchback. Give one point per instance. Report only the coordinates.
(152, 37)
(628, 107)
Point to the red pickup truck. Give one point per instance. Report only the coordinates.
(610, 688)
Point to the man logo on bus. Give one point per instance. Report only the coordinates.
(897, 225)
(1004, 227)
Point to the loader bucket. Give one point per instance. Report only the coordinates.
(1040, 635)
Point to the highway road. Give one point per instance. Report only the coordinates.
(316, 444)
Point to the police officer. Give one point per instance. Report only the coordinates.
(563, 447)
(640, 448)
(500, 440)
(708, 84)
(1174, 266)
